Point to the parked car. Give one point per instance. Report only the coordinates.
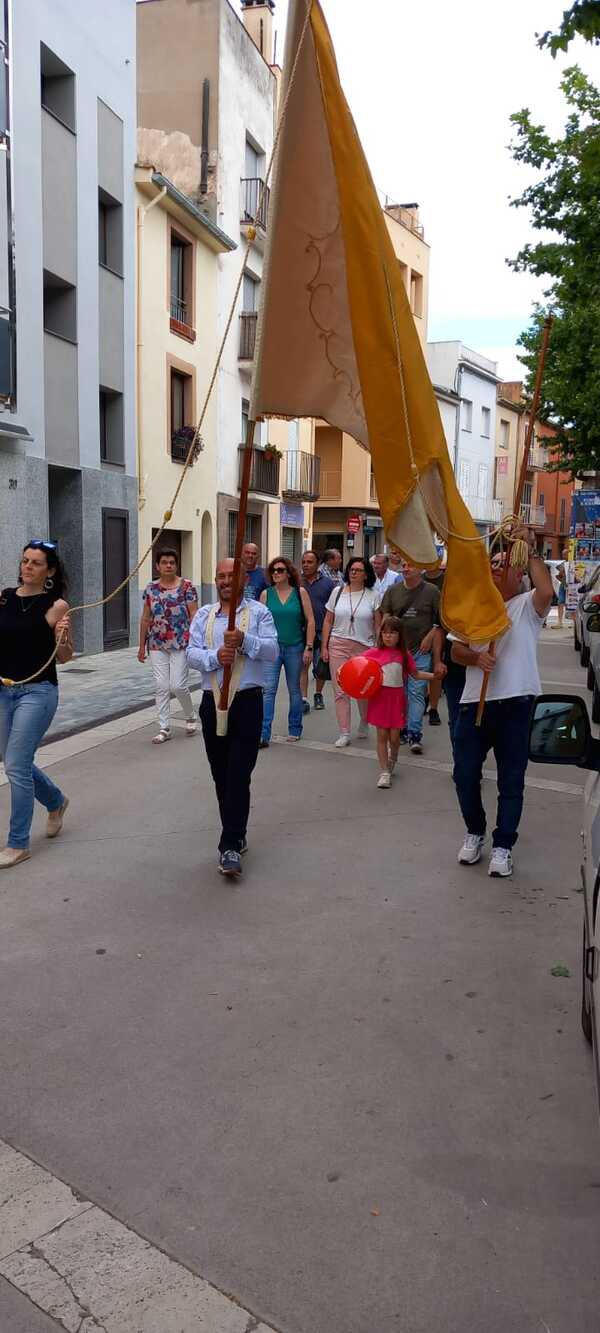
(561, 734)
(593, 673)
(588, 599)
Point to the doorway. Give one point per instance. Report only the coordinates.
(115, 566)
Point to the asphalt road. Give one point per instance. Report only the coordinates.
(348, 1091)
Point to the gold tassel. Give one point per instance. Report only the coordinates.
(519, 556)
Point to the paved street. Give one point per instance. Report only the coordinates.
(346, 1093)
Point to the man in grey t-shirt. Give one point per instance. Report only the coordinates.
(417, 604)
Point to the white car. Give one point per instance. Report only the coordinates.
(588, 600)
(561, 734)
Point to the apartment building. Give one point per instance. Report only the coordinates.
(547, 495)
(178, 248)
(347, 514)
(473, 378)
(68, 469)
(206, 120)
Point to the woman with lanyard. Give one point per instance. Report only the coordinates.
(352, 622)
(33, 620)
(170, 604)
(291, 609)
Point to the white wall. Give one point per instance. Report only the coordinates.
(246, 105)
(473, 376)
(448, 414)
(98, 42)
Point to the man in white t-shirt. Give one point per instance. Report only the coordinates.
(514, 683)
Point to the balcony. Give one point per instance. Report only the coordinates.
(248, 322)
(264, 472)
(533, 515)
(302, 475)
(254, 203)
(538, 458)
(482, 509)
(331, 484)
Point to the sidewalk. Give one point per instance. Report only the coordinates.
(101, 687)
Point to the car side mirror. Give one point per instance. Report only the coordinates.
(560, 732)
(593, 623)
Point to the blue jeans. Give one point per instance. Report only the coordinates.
(454, 684)
(291, 661)
(26, 712)
(417, 694)
(505, 730)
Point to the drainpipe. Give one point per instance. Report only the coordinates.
(458, 390)
(141, 218)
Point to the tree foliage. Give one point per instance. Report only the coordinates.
(582, 19)
(564, 203)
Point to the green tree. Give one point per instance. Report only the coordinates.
(564, 203)
(582, 19)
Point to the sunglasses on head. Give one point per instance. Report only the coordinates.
(36, 544)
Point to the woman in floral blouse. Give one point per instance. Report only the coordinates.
(170, 603)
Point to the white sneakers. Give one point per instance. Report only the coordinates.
(384, 779)
(501, 862)
(342, 741)
(470, 852)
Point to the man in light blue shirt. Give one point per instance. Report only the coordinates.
(232, 758)
(384, 576)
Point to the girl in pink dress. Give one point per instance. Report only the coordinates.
(387, 708)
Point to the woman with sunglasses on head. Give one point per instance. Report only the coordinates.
(291, 609)
(33, 620)
(352, 623)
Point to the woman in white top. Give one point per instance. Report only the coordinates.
(351, 625)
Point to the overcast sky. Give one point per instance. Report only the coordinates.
(431, 88)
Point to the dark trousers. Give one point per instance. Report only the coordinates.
(505, 730)
(232, 759)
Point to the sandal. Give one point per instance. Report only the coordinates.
(161, 738)
(190, 728)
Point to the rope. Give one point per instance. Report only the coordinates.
(196, 440)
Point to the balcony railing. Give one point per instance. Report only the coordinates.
(331, 485)
(248, 321)
(179, 309)
(264, 472)
(254, 206)
(482, 509)
(534, 515)
(302, 475)
(538, 458)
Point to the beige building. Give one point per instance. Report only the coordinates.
(346, 481)
(178, 249)
(510, 427)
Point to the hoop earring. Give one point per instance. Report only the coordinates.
(49, 584)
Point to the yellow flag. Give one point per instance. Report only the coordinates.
(336, 338)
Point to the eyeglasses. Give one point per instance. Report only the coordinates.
(36, 544)
(279, 569)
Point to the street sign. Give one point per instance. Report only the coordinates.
(353, 524)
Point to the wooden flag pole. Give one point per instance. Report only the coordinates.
(237, 556)
(535, 403)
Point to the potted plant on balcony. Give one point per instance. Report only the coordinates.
(181, 440)
(272, 453)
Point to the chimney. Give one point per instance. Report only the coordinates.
(257, 16)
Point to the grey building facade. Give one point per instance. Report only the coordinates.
(69, 471)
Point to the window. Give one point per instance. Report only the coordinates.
(504, 434)
(112, 442)
(57, 87)
(249, 317)
(110, 233)
(563, 515)
(416, 294)
(464, 477)
(254, 160)
(182, 280)
(482, 482)
(60, 307)
(249, 294)
(245, 418)
(486, 418)
(541, 500)
(467, 414)
(181, 412)
(252, 186)
(252, 532)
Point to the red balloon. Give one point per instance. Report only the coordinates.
(360, 677)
